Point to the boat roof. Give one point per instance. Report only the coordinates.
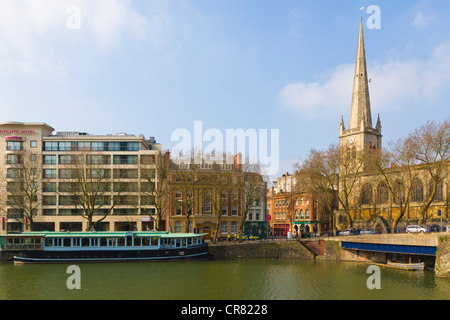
(51, 234)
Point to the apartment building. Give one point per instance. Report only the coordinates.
(211, 198)
(293, 211)
(76, 181)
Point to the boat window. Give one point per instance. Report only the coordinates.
(183, 242)
(103, 242)
(121, 242)
(154, 241)
(137, 242)
(129, 241)
(94, 242)
(189, 241)
(145, 242)
(111, 242)
(48, 242)
(67, 242)
(85, 242)
(177, 243)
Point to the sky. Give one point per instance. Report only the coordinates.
(154, 67)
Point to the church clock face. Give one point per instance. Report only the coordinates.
(351, 140)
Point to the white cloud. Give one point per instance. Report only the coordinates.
(422, 21)
(393, 82)
(32, 31)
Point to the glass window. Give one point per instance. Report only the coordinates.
(234, 227)
(50, 146)
(49, 187)
(84, 146)
(50, 173)
(178, 227)
(234, 210)
(125, 159)
(65, 146)
(50, 159)
(98, 146)
(33, 144)
(14, 145)
(223, 227)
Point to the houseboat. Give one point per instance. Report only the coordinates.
(62, 247)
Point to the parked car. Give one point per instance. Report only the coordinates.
(346, 232)
(415, 229)
(367, 231)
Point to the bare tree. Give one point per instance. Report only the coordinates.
(154, 186)
(22, 184)
(88, 187)
(330, 174)
(253, 189)
(430, 145)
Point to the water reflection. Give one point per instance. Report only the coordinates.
(219, 280)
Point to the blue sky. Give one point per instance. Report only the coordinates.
(152, 67)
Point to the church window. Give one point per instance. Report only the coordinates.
(417, 191)
(382, 193)
(366, 194)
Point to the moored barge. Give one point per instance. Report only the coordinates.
(63, 247)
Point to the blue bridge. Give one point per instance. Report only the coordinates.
(390, 248)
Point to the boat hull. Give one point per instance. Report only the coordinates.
(407, 266)
(194, 253)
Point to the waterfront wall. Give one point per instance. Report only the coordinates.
(276, 250)
(442, 268)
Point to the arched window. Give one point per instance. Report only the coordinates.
(382, 193)
(399, 192)
(302, 215)
(439, 195)
(296, 215)
(366, 194)
(307, 214)
(417, 190)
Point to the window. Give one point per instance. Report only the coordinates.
(302, 215)
(439, 195)
(50, 159)
(50, 146)
(84, 146)
(13, 159)
(223, 227)
(98, 146)
(14, 145)
(178, 227)
(234, 227)
(206, 202)
(33, 144)
(33, 157)
(382, 193)
(65, 146)
(49, 187)
(307, 214)
(234, 210)
(225, 210)
(49, 200)
(257, 215)
(49, 173)
(125, 159)
(366, 194)
(417, 191)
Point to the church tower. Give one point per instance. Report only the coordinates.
(361, 134)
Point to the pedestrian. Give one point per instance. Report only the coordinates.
(228, 238)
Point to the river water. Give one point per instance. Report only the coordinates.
(254, 279)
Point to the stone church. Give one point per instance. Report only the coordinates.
(371, 203)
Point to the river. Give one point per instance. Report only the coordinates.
(253, 279)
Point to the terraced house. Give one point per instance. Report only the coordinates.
(75, 181)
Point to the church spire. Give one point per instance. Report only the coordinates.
(360, 111)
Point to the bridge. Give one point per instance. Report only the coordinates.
(419, 247)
